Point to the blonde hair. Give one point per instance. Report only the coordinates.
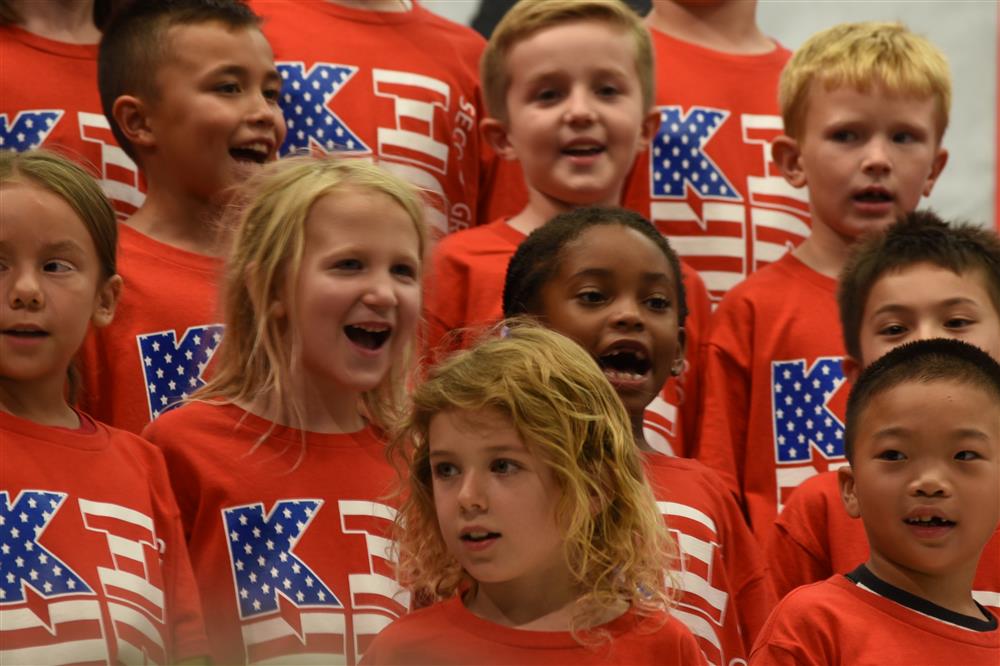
(863, 55)
(71, 183)
(529, 16)
(255, 357)
(568, 415)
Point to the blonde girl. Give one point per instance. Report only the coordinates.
(528, 518)
(278, 463)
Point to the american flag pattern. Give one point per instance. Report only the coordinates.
(49, 614)
(28, 129)
(173, 370)
(723, 228)
(286, 607)
(808, 435)
(660, 426)
(307, 114)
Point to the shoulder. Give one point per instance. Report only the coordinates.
(493, 238)
(411, 637)
(193, 417)
(459, 36)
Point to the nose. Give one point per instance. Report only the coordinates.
(25, 291)
(876, 160)
(472, 493)
(264, 112)
(930, 479)
(579, 107)
(627, 314)
(380, 292)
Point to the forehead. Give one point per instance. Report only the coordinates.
(208, 44)
(572, 47)
(827, 101)
(462, 429)
(616, 248)
(33, 215)
(924, 282)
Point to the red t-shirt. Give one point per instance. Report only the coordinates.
(463, 296)
(727, 596)
(814, 538)
(165, 332)
(708, 181)
(49, 99)
(447, 633)
(402, 87)
(287, 533)
(775, 393)
(92, 554)
(840, 622)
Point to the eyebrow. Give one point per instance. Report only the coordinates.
(57, 247)
(241, 71)
(957, 300)
(494, 449)
(647, 276)
(899, 431)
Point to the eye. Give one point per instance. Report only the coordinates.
(608, 90)
(591, 297)
(967, 455)
(57, 266)
(272, 94)
(405, 270)
(891, 455)
(547, 95)
(958, 322)
(844, 136)
(350, 265)
(444, 470)
(658, 303)
(906, 136)
(228, 88)
(892, 330)
(504, 466)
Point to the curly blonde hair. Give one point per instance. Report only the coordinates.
(256, 357)
(567, 414)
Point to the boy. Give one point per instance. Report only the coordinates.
(191, 90)
(568, 86)
(920, 279)
(399, 84)
(923, 441)
(726, 208)
(864, 106)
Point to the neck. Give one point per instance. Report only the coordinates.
(187, 223)
(824, 251)
(729, 26)
(70, 21)
(639, 435)
(325, 409)
(951, 590)
(376, 5)
(41, 402)
(541, 208)
(531, 605)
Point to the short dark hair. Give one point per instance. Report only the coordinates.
(920, 236)
(921, 361)
(133, 47)
(537, 258)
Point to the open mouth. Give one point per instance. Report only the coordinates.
(251, 152)
(583, 151)
(626, 364)
(368, 336)
(26, 333)
(931, 521)
(873, 196)
(478, 537)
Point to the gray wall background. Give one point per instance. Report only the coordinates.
(966, 30)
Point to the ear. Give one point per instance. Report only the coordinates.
(276, 308)
(787, 154)
(132, 117)
(940, 159)
(107, 299)
(851, 367)
(495, 132)
(650, 125)
(677, 367)
(845, 478)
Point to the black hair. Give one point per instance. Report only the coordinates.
(537, 258)
(923, 361)
(133, 46)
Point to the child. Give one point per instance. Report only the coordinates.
(399, 83)
(568, 84)
(528, 518)
(921, 279)
(923, 440)
(50, 99)
(278, 465)
(865, 106)
(708, 181)
(607, 279)
(95, 568)
(192, 93)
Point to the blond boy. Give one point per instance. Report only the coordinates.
(865, 107)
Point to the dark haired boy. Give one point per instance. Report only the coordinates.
(191, 91)
(923, 443)
(922, 278)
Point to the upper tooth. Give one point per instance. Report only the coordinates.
(372, 328)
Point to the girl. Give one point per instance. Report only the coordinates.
(528, 518)
(609, 280)
(278, 466)
(94, 564)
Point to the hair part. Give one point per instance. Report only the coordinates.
(923, 362)
(256, 357)
(528, 17)
(567, 414)
(918, 237)
(863, 56)
(538, 258)
(135, 45)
